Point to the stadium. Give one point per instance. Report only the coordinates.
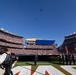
(43, 49)
(36, 46)
(33, 46)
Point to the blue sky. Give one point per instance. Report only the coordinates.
(47, 19)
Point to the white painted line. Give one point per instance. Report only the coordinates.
(69, 69)
(24, 70)
(50, 69)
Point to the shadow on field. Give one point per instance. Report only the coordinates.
(29, 63)
(55, 62)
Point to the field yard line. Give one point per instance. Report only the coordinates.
(50, 69)
(69, 69)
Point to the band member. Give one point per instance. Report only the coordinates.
(70, 58)
(66, 59)
(63, 59)
(60, 58)
(73, 59)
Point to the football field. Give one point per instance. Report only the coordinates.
(42, 68)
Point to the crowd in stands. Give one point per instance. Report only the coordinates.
(10, 37)
(11, 40)
(11, 44)
(15, 44)
(33, 52)
(41, 46)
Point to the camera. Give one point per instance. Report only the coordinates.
(14, 57)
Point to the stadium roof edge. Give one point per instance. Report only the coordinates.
(5, 31)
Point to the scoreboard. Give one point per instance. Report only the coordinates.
(44, 42)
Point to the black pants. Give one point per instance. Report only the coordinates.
(63, 61)
(7, 70)
(66, 62)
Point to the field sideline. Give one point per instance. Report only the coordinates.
(54, 64)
